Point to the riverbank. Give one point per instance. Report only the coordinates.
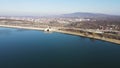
(22, 27)
(90, 36)
(66, 32)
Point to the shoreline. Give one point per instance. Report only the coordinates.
(22, 27)
(65, 32)
(97, 38)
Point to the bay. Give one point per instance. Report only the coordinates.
(20, 48)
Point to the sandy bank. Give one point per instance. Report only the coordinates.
(22, 27)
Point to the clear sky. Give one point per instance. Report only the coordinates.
(41, 7)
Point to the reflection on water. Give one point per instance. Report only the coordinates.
(5, 32)
(21, 30)
(47, 32)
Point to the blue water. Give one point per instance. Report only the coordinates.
(36, 49)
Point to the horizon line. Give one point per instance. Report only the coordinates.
(51, 14)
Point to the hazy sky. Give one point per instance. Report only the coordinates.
(41, 7)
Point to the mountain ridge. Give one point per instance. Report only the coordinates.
(88, 14)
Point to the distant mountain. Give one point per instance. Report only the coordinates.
(88, 15)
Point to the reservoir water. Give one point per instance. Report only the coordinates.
(36, 49)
